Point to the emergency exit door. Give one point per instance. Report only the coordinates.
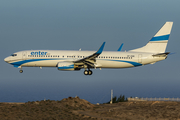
(140, 58)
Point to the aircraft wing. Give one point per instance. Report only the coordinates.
(90, 61)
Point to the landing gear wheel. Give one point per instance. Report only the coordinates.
(90, 72)
(86, 72)
(21, 71)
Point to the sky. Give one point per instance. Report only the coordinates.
(75, 24)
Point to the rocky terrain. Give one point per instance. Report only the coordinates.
(80, 109)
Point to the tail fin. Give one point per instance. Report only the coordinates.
(159, 42)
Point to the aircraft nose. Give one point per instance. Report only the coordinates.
(6, 59)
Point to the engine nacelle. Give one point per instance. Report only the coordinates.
(67, 66)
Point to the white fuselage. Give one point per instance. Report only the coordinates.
(107, 59)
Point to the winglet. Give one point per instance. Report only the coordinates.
(101, 48)
(120, 47)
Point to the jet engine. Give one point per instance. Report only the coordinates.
(67, 66)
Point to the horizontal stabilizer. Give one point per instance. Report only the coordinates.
(161, 54)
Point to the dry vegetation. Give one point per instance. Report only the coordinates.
(79, 109)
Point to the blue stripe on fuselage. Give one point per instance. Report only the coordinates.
(19, 63)
(135, 64)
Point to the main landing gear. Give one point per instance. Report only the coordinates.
(88, 72)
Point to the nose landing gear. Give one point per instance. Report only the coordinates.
(21, 71)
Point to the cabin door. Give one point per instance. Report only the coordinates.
(140, 58)
(24, 55)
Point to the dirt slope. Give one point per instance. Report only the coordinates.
(80, 109)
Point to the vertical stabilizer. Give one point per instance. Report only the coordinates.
(159, 42)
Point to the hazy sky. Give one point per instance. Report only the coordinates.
(86, 24)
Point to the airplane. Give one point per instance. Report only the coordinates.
(68, 60)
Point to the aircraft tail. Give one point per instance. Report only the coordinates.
(159, 42)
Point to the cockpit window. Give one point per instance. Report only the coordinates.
(14, 55)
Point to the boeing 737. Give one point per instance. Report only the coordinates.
(69, 60)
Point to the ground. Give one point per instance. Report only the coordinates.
(80, 109)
